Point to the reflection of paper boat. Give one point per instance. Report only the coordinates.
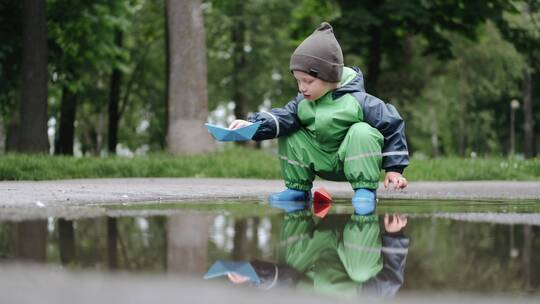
(322, 202)
(222, 268)
(225, 134)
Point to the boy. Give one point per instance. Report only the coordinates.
(337, 256)
(333, 128)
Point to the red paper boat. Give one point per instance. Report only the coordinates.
(322, 202)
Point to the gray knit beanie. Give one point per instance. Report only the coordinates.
(319, 55)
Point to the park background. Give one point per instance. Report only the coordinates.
(101, 88)
(123, 88)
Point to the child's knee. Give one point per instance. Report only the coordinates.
(363, 132)
(297, 138)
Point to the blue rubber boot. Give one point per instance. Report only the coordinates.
(290, 200)
(364, 201)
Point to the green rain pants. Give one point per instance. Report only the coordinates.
(357, 159)
(333, 261)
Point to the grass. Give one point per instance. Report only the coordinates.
(243, 163)
(237, 162)
(466, 169)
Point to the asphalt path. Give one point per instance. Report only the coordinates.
(82, 197)
(105, 191)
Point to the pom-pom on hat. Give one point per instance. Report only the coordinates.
(319, 55)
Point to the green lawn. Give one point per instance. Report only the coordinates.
(242, 163)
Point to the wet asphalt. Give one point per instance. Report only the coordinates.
(72, 198)
(104, 191)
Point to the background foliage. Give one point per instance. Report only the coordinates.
(451, 67)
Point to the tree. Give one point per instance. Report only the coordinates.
(10, 71)
(523, 30)
(187, 243)
(248, 55)
(112, 243)
(464, 100)
(31, 240)
(142, 108)
(33, 110)
(239, 71)
(66, 241)
(114, 99)
(187, 79)
(377, 29)
(66, 131)
(84, 47)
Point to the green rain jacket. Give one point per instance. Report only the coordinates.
(337, 257)
(330, 117)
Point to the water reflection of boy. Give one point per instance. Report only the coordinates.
(333, 258)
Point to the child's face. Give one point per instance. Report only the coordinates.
(313, 88)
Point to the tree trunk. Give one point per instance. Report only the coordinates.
(434, 133)
(66, 130)
(240, 242)
(114, 99)
(462, 135)
(66, 241)
(165, 120)
(528, 124)
(374, 60)
(3, 137)
(255, 238)
(188, 89)
(187, 243)
(462, 121)
(31, 240)
(527, 257)
(374, 55)
(33, 125)
(98, 133)
(112, 243)
(239, 61)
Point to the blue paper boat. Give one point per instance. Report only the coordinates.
(222, 268)
(225, 134)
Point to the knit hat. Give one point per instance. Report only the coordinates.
(319, 55)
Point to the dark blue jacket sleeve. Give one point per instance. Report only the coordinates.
(277, 122)
(275, 275)
(389, 280)
(385, 118)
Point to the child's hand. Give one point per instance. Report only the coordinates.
(394, 223)
(395, 178)
(238, 123)
(236, 278)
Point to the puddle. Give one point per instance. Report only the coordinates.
(445, 246)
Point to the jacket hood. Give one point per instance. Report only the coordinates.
(352, 82)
